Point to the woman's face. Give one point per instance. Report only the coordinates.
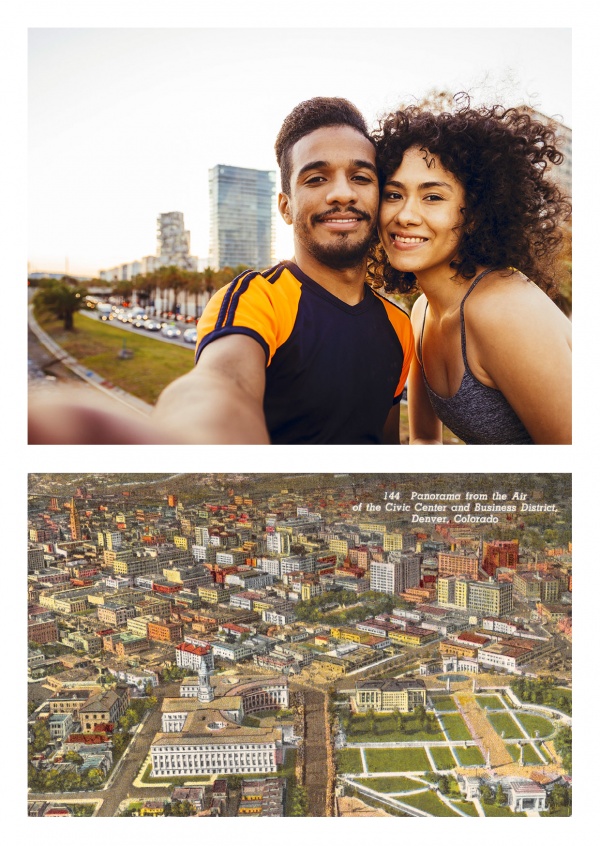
(420, 216)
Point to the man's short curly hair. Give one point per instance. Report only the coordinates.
(305, 118)
(500, 156)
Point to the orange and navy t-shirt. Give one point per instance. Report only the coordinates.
(333, 370)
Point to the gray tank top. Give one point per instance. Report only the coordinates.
(476, 413)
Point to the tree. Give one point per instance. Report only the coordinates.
(196, 286)
(41, 736)
(400, 721)
(563, 743)
(120, 739)
(123, 289)
(487, 794)
(420, 715)
(560, 797)
(171, 278)
(60, 298)
(500, 796)
(95, 776)
(298, 806)
(444, 785)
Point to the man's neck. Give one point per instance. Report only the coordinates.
(347, 284)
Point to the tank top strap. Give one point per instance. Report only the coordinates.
(420, 344)
(463, 334)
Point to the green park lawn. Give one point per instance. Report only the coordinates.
(499, 811)
(505, 725)
(493, 702)
(391, 784)
(443, 757)
(467, 808)
(533, 724)
(469, 756)
(96, 345)
(443, 703)
(349, 761)
(456, 727)
(396, 760)
(384, 728)
(430, 802)
(530, 756)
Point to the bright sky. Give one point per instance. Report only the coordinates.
(123, 124)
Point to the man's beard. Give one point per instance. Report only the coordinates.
(341, 254)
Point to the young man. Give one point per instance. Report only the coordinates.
(304, 352)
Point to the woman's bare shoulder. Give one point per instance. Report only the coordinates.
(509, 298)
(418, 309)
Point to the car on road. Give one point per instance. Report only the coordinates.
(190, 336)
(139, 322)
(171, 331)
(152, 325)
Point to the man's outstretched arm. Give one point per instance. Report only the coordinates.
(221, 400)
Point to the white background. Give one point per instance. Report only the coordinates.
(581, 459)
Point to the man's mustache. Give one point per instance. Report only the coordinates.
(319, 218)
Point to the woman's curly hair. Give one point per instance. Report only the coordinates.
(500, 156)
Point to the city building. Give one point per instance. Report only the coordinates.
(204, 735)
(105, 707)
(486, 598)
(242, 217)
(399, 573)
(173, 249)
(500, 554)
(390, 695)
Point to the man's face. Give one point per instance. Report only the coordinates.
(333, 197)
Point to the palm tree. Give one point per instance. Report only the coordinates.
(142, 285)
(196, 286)
(171, 278)
(61, 297)
(123, 289)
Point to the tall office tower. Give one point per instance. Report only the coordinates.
(278, 542)
(74, 524)
(242, 217)
(397, 574)
(500, 554)
(173, 242)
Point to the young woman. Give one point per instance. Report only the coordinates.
(470, 215)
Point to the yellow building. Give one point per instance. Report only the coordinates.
(451, 647)
(344, 633)
(390, 695)
(339, 546)
(392, 542)
(411, 637)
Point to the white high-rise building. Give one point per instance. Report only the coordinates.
(399, 572)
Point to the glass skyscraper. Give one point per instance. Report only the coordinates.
(242, 217)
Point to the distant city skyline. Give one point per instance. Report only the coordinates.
(124, 124)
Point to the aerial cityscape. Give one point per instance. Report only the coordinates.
(308, 645)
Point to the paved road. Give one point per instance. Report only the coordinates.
(121, 782)
(315, 751)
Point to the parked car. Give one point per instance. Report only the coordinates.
(190, 336)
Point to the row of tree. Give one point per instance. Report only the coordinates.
(64, 297)
(542, 691)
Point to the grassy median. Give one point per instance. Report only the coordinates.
(96, 345)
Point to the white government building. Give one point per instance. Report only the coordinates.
(203, 735)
